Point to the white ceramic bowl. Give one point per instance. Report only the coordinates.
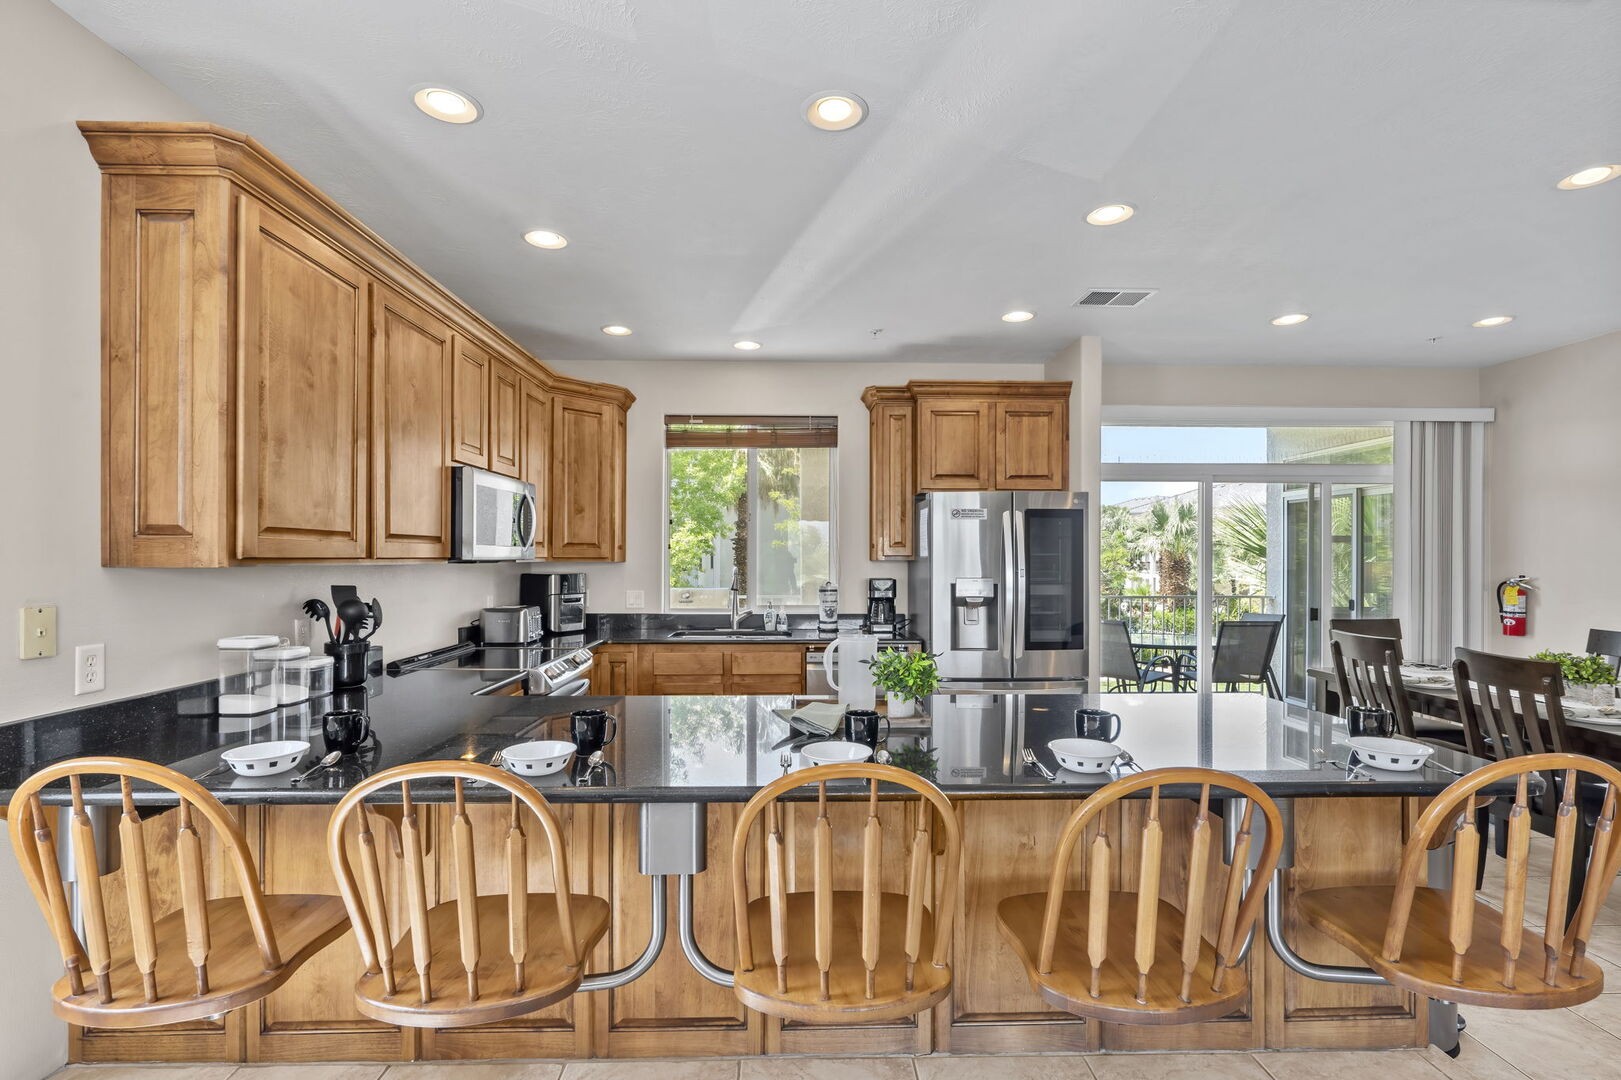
(835, 752)
(1084, 755)
(1396, 755)
(265, 758)
(539, 758)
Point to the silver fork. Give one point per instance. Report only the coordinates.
(1031, 759)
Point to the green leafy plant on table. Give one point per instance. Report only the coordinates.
(1587, 678)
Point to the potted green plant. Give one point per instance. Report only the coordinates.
(906, 679)
(1588, 679)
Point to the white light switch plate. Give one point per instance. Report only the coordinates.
(37, 632)
(635, 599)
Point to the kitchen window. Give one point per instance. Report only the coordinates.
(754, 495)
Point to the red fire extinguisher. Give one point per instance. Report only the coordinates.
(1511, 605)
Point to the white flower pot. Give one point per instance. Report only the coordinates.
(900, 707)
(1596, 694)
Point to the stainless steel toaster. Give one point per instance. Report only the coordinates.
(520, 624)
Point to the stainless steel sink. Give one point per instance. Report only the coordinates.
(721, 633)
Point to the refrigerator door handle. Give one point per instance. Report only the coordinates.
(1009, 594)
(1020, 583)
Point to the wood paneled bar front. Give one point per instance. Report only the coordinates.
(714, 752)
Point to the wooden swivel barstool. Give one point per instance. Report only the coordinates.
(839, 956)
(439, 975)
(1448, 945)
(1093, 951)
(209, 956)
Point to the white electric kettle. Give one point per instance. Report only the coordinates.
(853, 676)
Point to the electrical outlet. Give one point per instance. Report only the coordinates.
(37, 632)
(89, 669)
(635, 599)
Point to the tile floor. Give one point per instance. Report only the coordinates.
(1583, 1043)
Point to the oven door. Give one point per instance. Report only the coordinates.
(494, 519)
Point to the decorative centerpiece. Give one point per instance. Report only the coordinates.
(906, 679)
(1588, 679)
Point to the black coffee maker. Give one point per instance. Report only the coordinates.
(881, 605)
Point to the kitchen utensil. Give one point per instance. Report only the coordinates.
(539, 758)
(861, 726)
(834, 752)
(592, 764)
(1396, 755)
(331, 759)
(317, 610)
(592, 729)
(353, 613)
(852, 676)
(1099, 724)
(219, 767)
(1126, 761)
(1432, 763)
(266, 758)
(1084, 755)
(1031, 759)
(376, 618)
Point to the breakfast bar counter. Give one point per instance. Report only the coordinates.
(705, 756)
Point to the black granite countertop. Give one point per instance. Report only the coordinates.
(708, 748)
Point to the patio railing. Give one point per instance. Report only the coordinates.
(1170, 617)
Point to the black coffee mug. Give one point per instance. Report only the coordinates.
(345, 730)
(592, 729)
(1099, 724)
(1367, 720)
(861, 725)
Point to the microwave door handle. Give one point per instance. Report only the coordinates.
(534, 521)
(1008, 601)
(1021, 583)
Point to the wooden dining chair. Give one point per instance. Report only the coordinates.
(1131, 957)
(447, 970)
(1367, 670)
(1379, 628)
(1606, 643)
(838, 956)
(1448, 944)
(206, 957)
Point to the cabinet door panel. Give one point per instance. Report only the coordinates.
(411, 358)
(506, 420)
(894, 481)
(470, 405)
(954, 445)
(1032, 445)
(536, 414)
(302, 414)
(584, 502)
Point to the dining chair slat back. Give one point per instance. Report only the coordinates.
(1368, 671)
(1381, 628)
(1606, 643)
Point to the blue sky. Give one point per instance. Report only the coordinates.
(1172, 445)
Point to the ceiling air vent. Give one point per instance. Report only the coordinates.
(1115, 297)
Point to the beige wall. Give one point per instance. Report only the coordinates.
(1553, 490)
(729, 386)
(1277, 385)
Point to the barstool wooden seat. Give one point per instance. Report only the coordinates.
(1449, 945)
(838, 956)
(439, 974)
(1133, 957)
(207, 957)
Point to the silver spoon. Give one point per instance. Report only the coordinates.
(325, 763)
(592, 764)
(219, 768)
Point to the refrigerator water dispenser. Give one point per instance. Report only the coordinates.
(974, 614)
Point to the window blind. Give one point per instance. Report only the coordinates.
(750, 432)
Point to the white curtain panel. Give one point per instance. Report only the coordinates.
(1441, 559)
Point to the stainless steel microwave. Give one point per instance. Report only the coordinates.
(493, 519)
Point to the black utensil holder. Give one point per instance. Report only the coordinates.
(348, 662)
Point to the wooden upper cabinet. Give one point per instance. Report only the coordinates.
(587, 460)
(411, 358)
(1032, 445)
(506, 420)
(954, 444)
(470, 405)
(536, 416)
(894, 479)
(303, 380)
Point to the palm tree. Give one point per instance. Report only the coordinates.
(1173, 537)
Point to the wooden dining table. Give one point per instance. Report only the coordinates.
(1597, 737)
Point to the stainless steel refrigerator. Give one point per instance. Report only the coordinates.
(998, 587)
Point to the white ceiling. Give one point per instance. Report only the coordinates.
(1387, 165)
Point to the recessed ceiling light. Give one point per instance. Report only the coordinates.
(835, 112)
(1018, 316)
(1493, 320)
(615, 330)
(746, 345)
(1112, 214)
(545, 238)
(451, 106)
(1589, 177)
(1293, 319)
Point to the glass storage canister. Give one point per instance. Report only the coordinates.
(289, 680)
(317, 674)
(247, 688)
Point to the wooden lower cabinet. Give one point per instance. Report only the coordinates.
(672, 1011)
(661, 668)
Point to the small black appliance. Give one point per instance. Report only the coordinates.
(881, 605)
